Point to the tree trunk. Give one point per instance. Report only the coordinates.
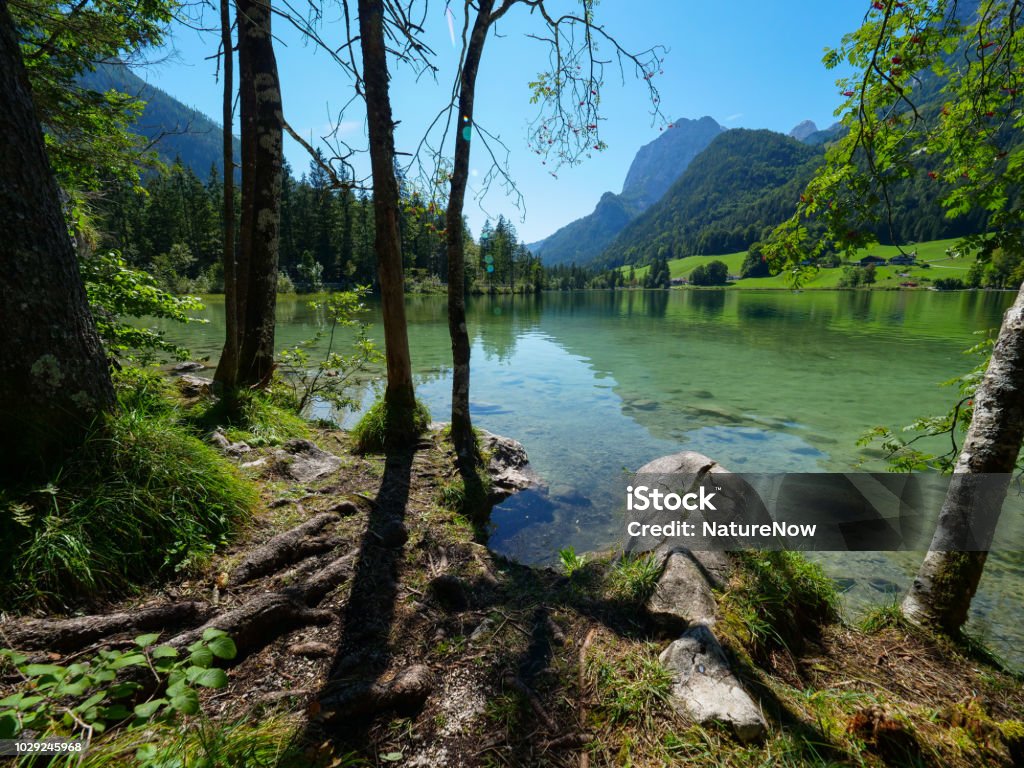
(399, 396)
(262, 129)
(54, 379)
(948, 578)
(462, 426)
(227, 368)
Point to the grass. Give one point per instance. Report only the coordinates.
(776, 599)
(382, 427)
(633, 578)
(932, 253)
(630, 684)
(142, 497)
(265, 742)
(255, 419)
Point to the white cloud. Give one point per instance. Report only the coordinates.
(732, 118)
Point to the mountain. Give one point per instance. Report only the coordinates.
(180, 131)
(658, 164)
(803, 130)
(744, 182)
(824, 136)
(653, 170)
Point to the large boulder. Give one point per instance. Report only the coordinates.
(704, 688)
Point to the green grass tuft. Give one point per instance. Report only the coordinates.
(254, 418)
(378, 428)
(777, 599)
(141, 498)
(634, 577)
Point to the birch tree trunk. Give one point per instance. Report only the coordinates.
(948, 578)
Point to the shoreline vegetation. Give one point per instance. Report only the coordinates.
(367, 624)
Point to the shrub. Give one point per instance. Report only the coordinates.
(382, 428)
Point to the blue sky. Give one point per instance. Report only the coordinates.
(746, 63)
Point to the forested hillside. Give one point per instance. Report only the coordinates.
(653, 170)
(178, 130)
(744, 182)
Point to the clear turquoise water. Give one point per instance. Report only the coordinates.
(596, 383)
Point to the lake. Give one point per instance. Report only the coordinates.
(595, 383)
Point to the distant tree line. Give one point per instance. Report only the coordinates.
(175, 231)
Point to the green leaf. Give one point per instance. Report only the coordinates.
(201, 657)
(38, 670)
(11, 701)
(30, 701)
(91, 702)
(391, 757)
(129, 660)
(164, 652)
(144, 641)
(121, 690)
(211, 633)
(186, 701)
(223, 647)
(10, 725)
(208, 678)
(147, 709)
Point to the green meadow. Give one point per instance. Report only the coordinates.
(933, 263)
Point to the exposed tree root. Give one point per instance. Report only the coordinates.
(405, 692)
(73, 634)
(284, 549)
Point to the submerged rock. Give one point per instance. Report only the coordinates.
(190, 366)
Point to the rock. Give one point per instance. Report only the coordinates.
(344, 508)
(705, 689)
(450, 592)
(222, 444)
(312, 650)
(188, 367)
(304, 462)
(735, 500)
(194, 386)
(683, 595)
(482, 629)
(508, 465)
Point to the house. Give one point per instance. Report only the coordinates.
(680, 281)
(871, 259)
(904, 259)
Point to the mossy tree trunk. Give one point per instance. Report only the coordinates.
(948, 578)
(462, 425)
(54, 377)
(399, 396)
(262, 131)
